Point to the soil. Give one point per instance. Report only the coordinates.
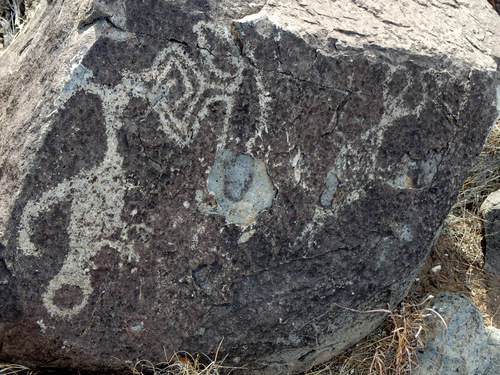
(461, 272)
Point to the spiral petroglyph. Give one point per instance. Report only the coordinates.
(179, 90)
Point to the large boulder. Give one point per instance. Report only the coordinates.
(175, 173)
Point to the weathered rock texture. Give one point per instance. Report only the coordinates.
(490, 211)
(464, 346)
(178, 172)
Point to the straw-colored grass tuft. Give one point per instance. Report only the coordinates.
(183, 363)
(392, 349)
(11, 369)
(11, 19)
(484, 178)
(14, 14)
(464, 222)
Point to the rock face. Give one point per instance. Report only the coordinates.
(490, 211)
(497, 6)
(465, 347)
(175, 173)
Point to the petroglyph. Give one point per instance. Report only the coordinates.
(97, 199)
(242, 187)
(414, 174)
(180, 89)
(181, 180)
(365, 149)
(331, 187)
(184, 88)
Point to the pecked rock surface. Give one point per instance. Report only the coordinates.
(176, 173)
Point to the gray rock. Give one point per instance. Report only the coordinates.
(493, 344)
(178, 172)
(463, 347)
(490, 211)
(241, 186)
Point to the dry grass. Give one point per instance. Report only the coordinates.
(10, 369)
(14, 14)
(392, 349)
(464, 222)
(484, 178)
(183, 363)
(11, 19)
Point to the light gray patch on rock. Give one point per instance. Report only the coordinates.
(414, 174)
(403, 232)
(493, 344)
(331, 187)
(242, 187)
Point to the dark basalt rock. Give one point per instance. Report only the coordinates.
(177, 173)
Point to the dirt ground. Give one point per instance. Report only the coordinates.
(461, 272)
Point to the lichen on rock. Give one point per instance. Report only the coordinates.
(242, 187)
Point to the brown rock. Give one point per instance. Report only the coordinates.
(174, 173)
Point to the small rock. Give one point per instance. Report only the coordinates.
(464, 347)
(493, 343)
(436, 269)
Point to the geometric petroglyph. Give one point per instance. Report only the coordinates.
(183, 87)
(183, 90)
(180, 88)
